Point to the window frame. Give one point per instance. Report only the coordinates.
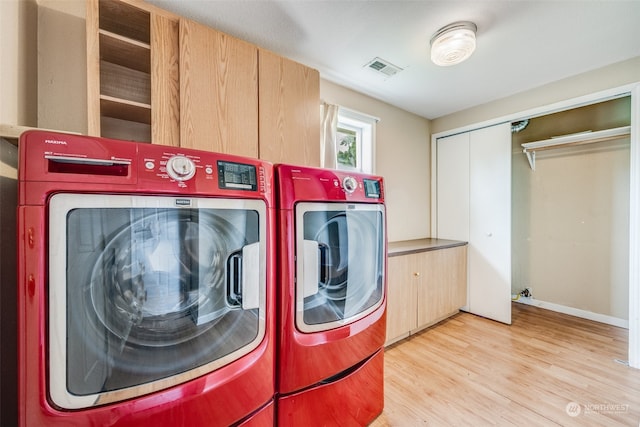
(364, 127)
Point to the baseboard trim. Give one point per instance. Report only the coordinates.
(597, 317)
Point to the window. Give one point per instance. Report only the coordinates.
(355, 141)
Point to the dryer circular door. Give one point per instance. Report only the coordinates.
(153, 293)
(340, 268)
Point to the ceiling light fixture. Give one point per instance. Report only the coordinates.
(454, 43)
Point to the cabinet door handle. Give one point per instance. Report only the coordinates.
(416, 274)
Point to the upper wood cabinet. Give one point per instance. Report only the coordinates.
(132, 72)
(289, 111)
(157, 77)
(218, 91)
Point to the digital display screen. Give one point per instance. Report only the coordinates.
(372, 188)
(237, 176)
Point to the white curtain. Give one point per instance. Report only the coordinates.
(328, 130)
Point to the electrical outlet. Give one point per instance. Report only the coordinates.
(526, 293)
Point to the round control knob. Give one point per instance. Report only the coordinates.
(349, 184)
(181, 168)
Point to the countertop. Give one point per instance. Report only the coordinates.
(12, 132)
(406, 247)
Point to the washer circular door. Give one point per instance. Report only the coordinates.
(150, 291)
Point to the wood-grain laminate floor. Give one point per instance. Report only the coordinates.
(546, 369)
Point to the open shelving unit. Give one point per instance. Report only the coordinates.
(587, 137)
(121, 52)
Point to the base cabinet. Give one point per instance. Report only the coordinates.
(401, 296)
(424, 288)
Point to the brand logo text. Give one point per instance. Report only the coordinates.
(55, 141)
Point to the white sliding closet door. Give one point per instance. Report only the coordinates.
(452, 190)
(473, 198)
(453, 187)
(490, 222)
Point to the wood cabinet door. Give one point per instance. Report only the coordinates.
(401, 296)
(289, 106)
(218, 91)
(457, 291)
(443, 288)
(165, 80)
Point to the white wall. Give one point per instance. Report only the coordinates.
(402, 158)
(612, 76)
(18, 67)
(62, 64)
(43, 53)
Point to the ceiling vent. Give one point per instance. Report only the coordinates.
(383, 67)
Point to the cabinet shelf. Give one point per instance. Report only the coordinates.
(129, 53)
(123, 109)
(124, 119)
(124, 83)
(125, 130)
(124, 19)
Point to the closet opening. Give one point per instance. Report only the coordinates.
(570, 215)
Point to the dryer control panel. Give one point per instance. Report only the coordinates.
(312, 184)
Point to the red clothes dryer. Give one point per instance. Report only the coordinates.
(145, 285)
(332, 297)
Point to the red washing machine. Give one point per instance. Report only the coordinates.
(332, 297)
(145, 285)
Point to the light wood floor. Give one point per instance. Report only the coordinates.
(472, 371)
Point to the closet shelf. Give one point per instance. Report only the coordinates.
(588, 137)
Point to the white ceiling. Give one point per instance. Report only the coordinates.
(521, 44)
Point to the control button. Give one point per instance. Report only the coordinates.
(149, 165)
(349, 184)
(208, 170)
(181, 168)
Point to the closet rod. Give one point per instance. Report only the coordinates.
(589, 137)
